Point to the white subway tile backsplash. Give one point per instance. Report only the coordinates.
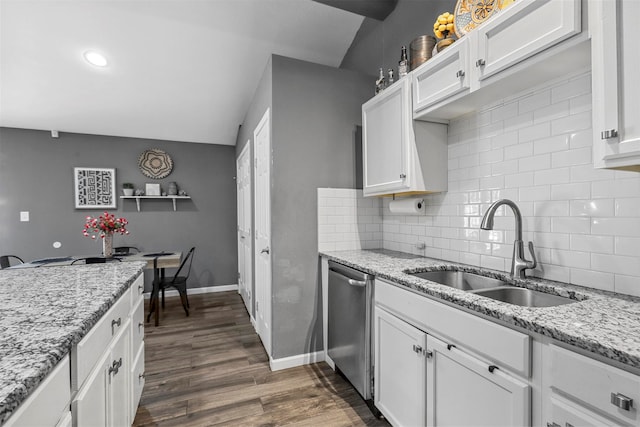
(580, 85)
(627, 245)
(572, 123)
(616, 226)
(593, 279)
(533, 163)
(535, 132)
(551, 112)
(629, 207)
(629, 265)
(574, 191)
(534, 101)
(552, 176)
(627, 285)
(535, 149)
(592, 243)
(570, 225)
(579, 156)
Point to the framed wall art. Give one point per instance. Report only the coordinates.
(95, 188)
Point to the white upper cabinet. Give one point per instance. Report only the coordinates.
(528, 43)
(445, 75)
(616, 94)
(399, 155)
(386, 128)
(521, 31)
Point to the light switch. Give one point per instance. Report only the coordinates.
(24, 216)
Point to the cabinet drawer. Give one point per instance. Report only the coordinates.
(594, 383)
(49, 402)
(137, 288)
(564, 413)
(500, 345)
(522, 30)
(442, 76)
(86, 353)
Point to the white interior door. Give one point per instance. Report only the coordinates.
(245, 264)
(262, 205)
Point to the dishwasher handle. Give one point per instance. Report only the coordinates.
(357, 283)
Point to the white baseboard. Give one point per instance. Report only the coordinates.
(298, 360)
(195, 291)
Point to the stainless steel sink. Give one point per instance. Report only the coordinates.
(523, 297)
(460, 279)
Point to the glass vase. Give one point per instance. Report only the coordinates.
(107, 245)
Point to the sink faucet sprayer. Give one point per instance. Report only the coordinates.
(518, 262)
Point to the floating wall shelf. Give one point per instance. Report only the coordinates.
(172, 198)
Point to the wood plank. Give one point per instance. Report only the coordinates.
(211, 369)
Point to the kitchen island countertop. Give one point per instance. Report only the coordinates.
(44, 312)
(601, 322)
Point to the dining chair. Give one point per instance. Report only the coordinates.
(179, 282)
(5, 261)
(125, 250)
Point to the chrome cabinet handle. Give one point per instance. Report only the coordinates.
(552, 424)
(115, 323)
(460, 73)
(480, 63)
(403, 175)
(115, 367)
(621, 401)
(357, 283)
(608, 134)
(265, 250)
(141, 376)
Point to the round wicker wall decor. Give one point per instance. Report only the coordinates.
(155, 163)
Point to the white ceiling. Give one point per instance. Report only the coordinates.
(182, 70)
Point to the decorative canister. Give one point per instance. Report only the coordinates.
(172, 189)
(420, 50)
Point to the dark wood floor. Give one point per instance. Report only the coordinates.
(211, 369)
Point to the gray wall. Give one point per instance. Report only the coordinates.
(36, 172)
(315, 111)
(377, 44)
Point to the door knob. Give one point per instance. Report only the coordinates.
(265, 250)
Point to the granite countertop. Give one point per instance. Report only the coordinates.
(600, 322)
(44, 312)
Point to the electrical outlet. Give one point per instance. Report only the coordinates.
(24, 216)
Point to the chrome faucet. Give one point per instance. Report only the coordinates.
(518, 262)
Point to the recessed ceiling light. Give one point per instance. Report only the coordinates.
(95, 58)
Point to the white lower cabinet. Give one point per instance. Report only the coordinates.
(48, 405)
(429, 375)
(400, 370)
(109, 368)
(103, 399)
(462, 390)
(585, 392)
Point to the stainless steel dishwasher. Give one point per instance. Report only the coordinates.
(350, 344)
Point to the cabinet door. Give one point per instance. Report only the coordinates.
(443, 76)
(522, 30)
(90, 404)
(462, 390)
(119, 372)
(400, 370)
(616, 94)
(386, 124)
(137, 381)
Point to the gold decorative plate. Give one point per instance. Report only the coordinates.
(155, 163)
(469, 14)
